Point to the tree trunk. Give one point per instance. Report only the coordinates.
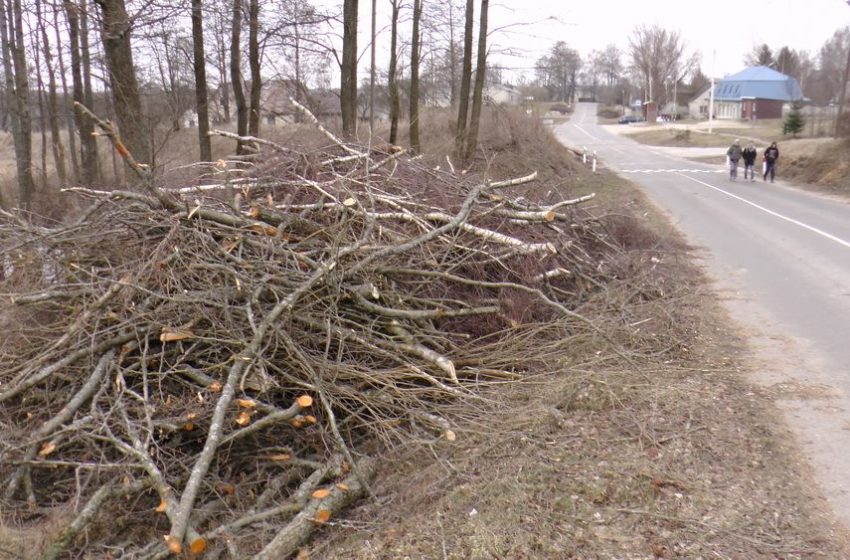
(452, 57)
(392, 82)
(414, 78)
(58, 148)
(115, 33)
(372, 69)
(480, 76)
(15, 69)
(236, 74)
(465, 81)
(88, 146)
(42, 113)
(254, 63)
(200, 67)
(348, 76)
(66, 104)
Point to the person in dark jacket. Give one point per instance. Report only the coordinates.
(734, 154)
(771, 154)
(749, 156)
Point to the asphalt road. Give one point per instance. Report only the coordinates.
(781, 259)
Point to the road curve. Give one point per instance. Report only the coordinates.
(781, 256)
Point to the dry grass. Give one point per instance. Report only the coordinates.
(666, 455)
(673, 456)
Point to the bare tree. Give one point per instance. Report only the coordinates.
(57, 146)
(115, 34)
(348, 67)
(480, 78)
(88, 144)
(658, 57)
(236, 74)
(414, 77)
(465, 81)
(392, 82)
(199, 61)
(68, 109)
(254, 64)
(17, 85)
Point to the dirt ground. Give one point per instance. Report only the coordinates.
(674, 455)
(667, 453)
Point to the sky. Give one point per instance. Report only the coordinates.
(722, 31)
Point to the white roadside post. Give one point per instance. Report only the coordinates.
(584, 154)
(594, 161)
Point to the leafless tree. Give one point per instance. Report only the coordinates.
(480, 78)
(658, 57)
(88, 144)
(392, 81)
(254, 65)
(199, 63)
(236, 75)
(57, 146)
(348, 70)
(465, 81)
(115, 35)
(17, 85)
(414, 76)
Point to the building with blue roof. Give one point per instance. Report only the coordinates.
(755, 93)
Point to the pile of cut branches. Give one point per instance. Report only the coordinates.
(212, 369)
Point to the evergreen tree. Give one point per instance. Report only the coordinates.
(793, 122)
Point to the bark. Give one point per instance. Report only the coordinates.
(452, 57)
(843, 95)
(296, 532)
(254, 63)
(88, 147)
(414, 77)
(480, 76)
(236, 75)
(199, 61)
(465, 82)
(392, 82)
(68, 109)
(348, 77)
(372, 70)
(115, 33)
(57, 146)
(42, 112)
(14, 66)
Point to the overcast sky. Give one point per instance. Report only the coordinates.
(728, 27)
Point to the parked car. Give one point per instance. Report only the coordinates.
(628, 119)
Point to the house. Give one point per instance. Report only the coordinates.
(502, 94)
(698, 105)
(755, 93)
(275, 103)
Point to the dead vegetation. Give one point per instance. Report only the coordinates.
(220, 356)
(505, 367)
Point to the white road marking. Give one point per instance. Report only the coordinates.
(772, 213)
(673, 171)
(586, 132)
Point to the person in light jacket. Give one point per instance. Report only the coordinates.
(771, 154)
(734, 154)
(749, 156)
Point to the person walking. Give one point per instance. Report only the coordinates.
(771, 154)
(749, 156)
(734, 154)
